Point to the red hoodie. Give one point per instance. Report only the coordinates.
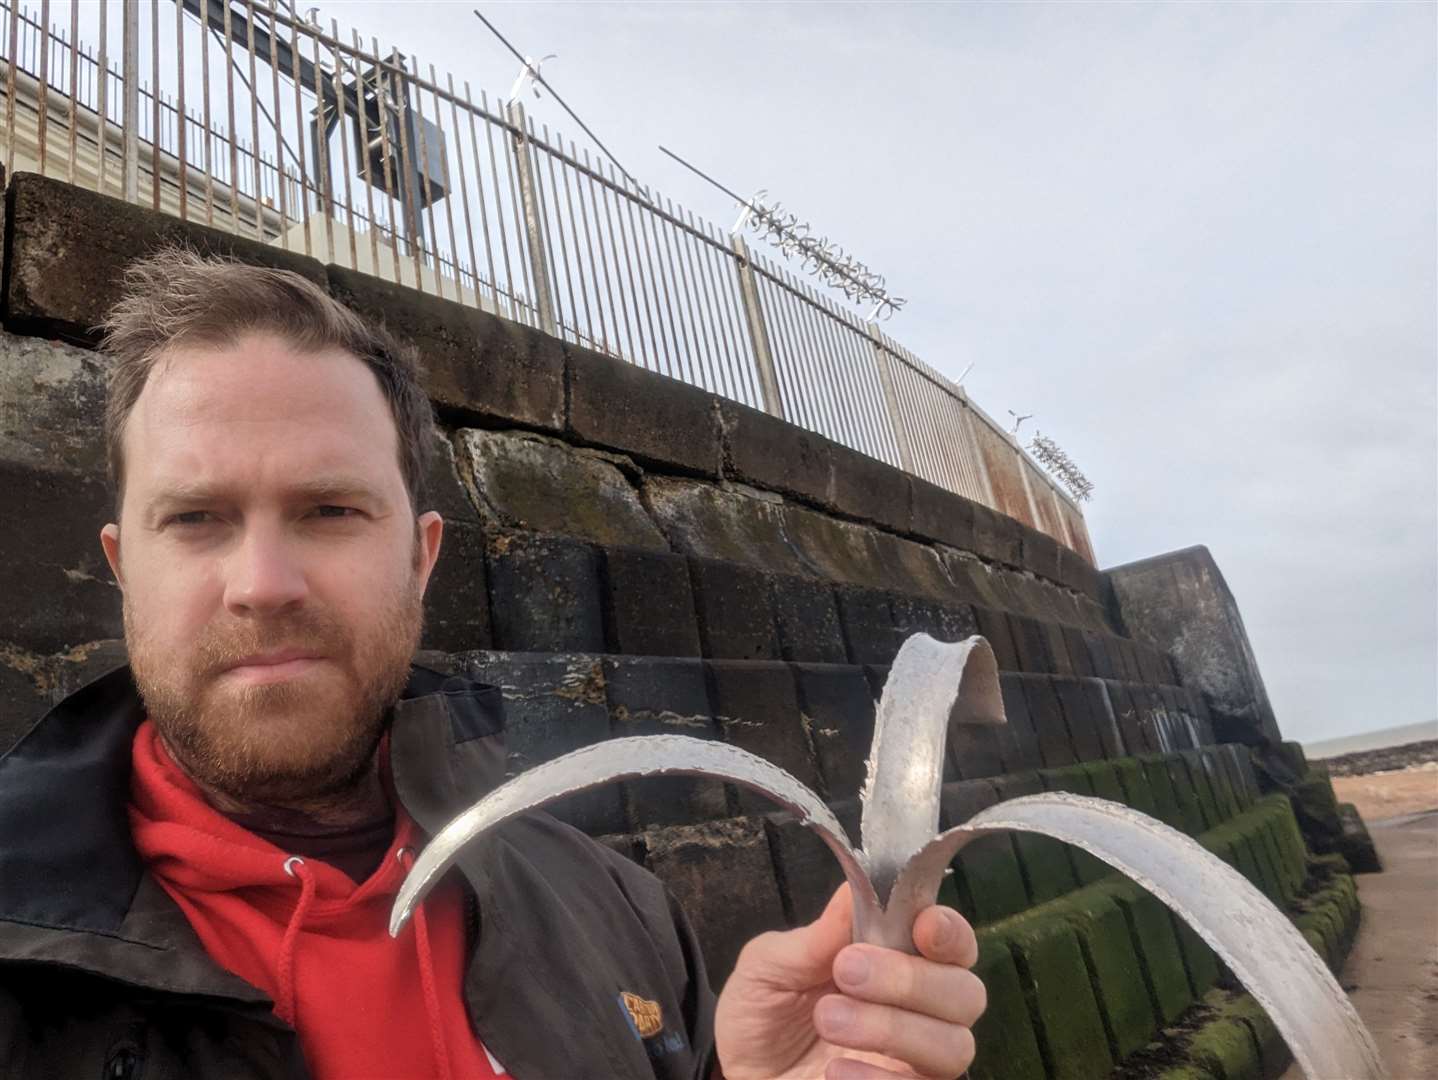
(366, 1006)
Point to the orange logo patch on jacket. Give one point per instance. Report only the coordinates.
(647, 1017)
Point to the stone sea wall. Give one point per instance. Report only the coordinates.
(626, 554)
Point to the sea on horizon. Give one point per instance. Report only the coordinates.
(1381, 739)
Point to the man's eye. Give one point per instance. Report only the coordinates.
(190, 517)
(335, 511)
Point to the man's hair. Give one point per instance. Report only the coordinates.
(177, 297)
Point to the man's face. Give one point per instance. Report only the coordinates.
(272, 567)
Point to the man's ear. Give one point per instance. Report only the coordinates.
(431, 534)
(110, 541)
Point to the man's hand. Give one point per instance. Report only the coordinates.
(807, 1003)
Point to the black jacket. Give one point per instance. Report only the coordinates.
(102, 978)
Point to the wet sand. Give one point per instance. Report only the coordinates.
(1383, 795)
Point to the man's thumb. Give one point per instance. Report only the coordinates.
(806, 954)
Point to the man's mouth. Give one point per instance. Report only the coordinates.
(276, 666)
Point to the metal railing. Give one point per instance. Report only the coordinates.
(240, 115)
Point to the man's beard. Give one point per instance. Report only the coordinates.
(293, 743)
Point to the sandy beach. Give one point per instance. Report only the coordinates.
(1381, 795)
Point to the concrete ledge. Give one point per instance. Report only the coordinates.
(68, 249)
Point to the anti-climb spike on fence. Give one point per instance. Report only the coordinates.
(897, 872)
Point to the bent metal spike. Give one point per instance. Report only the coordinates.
(897, 872)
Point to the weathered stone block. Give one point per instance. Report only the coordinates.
(1080, 661)
(649, 604)
(1031, 642)
(997, 537)
(544, 594)
(1189, 803)
(1040, 553)
(456, 602)
(1101, 660)
(1137, 792)
(1226, 1047)
(806, 869)
(475, 364)
(1048, 719)
(722, 874)
(664, 696)
(869, 489)
(622, 406)
(1018, 741)
(1181, 604)
(1101, 713)
(1056, 645)
(1198, 959)
(736, 621)
(807, 619)
(1109, 954)
(444, 492)
(757, 709)
(838, 708)
(1045, 862)
(1006, 1047)
(939, 514)
(975, 750)
(538, 484)
(914, 615)
(1076, 780)
(767, 452)
(1165, 798)
(1056, 982)
(994, 625)
(868, 622)
(58, 588)
(1159, 953)
(52, 406)
(1207, 800)
(989, 878)
(1085, 728)
(721, 522)
(552, 706)
(69, 248)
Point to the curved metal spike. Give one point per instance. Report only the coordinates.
(625, 759)
(1253, 937)
(929, 682)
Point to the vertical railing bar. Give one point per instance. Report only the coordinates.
(498, 203)
(666, 357)
(43, 109)
(713, 301)
(824, 365)
(804, 348)
(904, 412)
(580, 181)
(850, 378)
(409, 198)
(709, 322)
(255, 121)
(14, 54)
(540, 241)
(387, 163)
(683, 244)
(230, 115)
(690, 358)
(840, 387)
(483, 213)
(657, 282)
(730, 284)
(640, 349)
(520, 235)
(464, 186)
(922, 434)
(277, 122)
(558, 227)
(337, 83)
(205, 111)
(324, 186)
(74, 86)
(585, 271)
(776, 309)
(301, 153)
(869, 400)
(422, 154)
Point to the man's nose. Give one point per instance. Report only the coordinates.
(265, 573)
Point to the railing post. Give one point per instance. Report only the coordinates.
(758, 332)
(533, 225)
(130, 143)
(884, 361)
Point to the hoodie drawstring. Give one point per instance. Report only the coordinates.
(285, 1006)
(426, 976)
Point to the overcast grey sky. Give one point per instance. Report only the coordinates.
(1197, 240)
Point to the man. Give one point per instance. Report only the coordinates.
(198, 852)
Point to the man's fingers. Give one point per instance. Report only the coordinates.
(886, 977)
(929, 1046)
(801, 958)
(942, 934)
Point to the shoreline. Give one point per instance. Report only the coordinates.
(1384, 760)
